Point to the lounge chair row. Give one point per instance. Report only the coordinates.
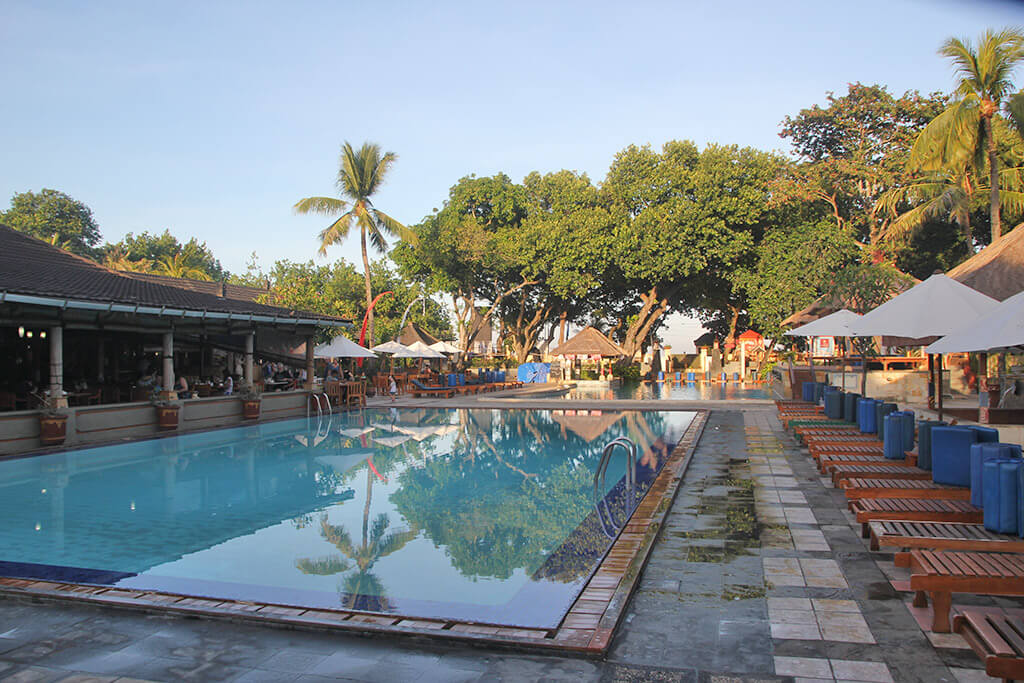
(926, 511)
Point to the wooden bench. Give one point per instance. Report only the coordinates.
(827, 461)
(997, 638)
(445, 392)
(856, 489)
(893, 469)
(908, 535)
(871, 509)
(941, 574)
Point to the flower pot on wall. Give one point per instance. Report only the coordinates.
(251, 410)
(167, 417)
(53, 429)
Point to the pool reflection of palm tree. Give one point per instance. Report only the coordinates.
(362, 589)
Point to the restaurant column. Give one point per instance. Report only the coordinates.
(309, 362)
(247, 376)
(168, 356)
(57, 398)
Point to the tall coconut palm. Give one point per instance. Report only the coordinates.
(360, 175)
(963, 132)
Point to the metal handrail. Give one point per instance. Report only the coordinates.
(609, 526)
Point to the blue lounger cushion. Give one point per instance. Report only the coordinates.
(866, 416)
(1000, 480)
(982, 453)
(951, 455)
(924, 442)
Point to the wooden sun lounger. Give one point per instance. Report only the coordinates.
(828, 460)
(943, 573)
(872, 509)
(906, 536)
(857, 489)
(818, 452)
(446, 392)
(837, 429)
(996, 638)
(889, 469)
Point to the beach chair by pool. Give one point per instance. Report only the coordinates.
(423, 390)
(911, 535)
(890, 469)
(857, 489)
(940, 574)
(869, 510)
(828, 460)
(996, 638)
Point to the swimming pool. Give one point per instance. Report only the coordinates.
(673, 391)
(479, 515)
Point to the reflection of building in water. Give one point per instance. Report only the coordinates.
(94, 510)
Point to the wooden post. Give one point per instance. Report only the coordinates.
(931, 380)
(57, 398)
(168, 366)
(249, 342)
(309, 362)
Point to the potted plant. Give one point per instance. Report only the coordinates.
(53, 421)
(250, 402)
(166, 411)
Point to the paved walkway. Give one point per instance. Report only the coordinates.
(759, 575)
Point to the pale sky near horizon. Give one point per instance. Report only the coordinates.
(211, 119)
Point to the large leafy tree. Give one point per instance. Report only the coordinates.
(54, 217)
(852, 151)
(965, 133)
(360, 176)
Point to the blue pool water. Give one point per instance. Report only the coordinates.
(484, 515)
(673, 391)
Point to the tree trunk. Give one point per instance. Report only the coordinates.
(561, 327)
(993, 175)
(653, 308)
(369, 289)
(730, 339)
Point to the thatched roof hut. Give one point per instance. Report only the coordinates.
(998, 269)
(413, 333)
(588, 342)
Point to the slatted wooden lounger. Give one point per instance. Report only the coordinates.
(997, 638)
(871, 509)
(943, 573)
(827, 461)
(818, 452)
(857, 489)
(889, 469)
(908, 535)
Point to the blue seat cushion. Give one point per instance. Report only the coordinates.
(951, 455)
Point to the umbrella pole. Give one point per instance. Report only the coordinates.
(939, 387)
(843, 361)
(931, 381)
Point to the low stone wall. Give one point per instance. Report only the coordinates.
(19, 431)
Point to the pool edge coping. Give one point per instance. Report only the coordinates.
(583, 631)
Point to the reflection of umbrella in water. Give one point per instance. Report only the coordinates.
(423, 432)
(588, 426)
(355, 432)
(391, 441)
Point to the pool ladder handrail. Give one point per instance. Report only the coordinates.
(319, 403)
(609, 526)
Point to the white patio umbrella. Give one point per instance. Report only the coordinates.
(342, 347)
(1000, 328)
(389, 347)
(425, 350)
(832, 325)
(445, 347)
(934, 308)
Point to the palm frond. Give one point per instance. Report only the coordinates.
(394, 228)
(394, 542)
(950, 139)
(1012, 200)
(323, 566)
(335, 232)
(324, 206)
(1015, 113)
(380, 167)
(375, 236)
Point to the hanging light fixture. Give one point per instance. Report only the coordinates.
(42, 335)
(21, 332)
(29, 334)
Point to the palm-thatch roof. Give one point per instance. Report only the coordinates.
(413, 333)
(706, 340)
(588, 342)
(588, 426)
(998, 269)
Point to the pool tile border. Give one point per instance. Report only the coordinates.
(587, 628)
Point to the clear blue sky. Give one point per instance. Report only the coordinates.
(211, 119)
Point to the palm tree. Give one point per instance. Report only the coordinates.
(178, 266)
(963, 132)
(360, 175)
(117, 259)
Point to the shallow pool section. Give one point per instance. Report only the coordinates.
(477, 515)
(672, 391)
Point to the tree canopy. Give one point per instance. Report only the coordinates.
(56, 218)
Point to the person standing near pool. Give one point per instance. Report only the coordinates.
(392, 388)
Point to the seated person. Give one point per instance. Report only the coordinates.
(181, 386)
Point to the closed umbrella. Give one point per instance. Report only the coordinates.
(934, 308)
